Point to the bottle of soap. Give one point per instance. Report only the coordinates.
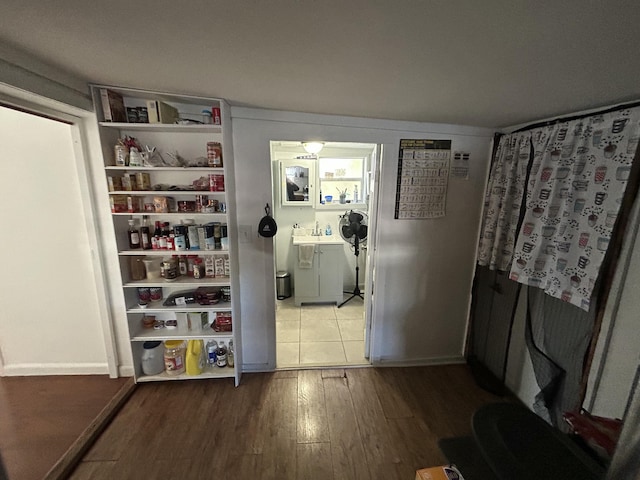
(328, 231)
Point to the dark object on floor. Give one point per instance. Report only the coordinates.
(600, 433)
(464, 453)
(518, 444)
(485, 378)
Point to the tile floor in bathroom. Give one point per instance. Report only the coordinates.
(319, 335)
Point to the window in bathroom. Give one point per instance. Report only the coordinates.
(342, 176)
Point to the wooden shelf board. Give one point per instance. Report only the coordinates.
(224, 372)
(192, 307)
(166, 253)
(168, 169)
(149, 334)
(163, 127)
(181, 282)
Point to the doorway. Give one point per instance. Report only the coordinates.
(321, 320)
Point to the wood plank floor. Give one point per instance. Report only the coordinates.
(41, 417)
(365, 423)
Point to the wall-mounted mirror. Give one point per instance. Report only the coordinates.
(297, 185)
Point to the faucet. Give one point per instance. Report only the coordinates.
(317, 232)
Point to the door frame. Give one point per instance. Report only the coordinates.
(371, 249)
(80, 122)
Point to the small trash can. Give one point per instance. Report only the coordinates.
(283, 285)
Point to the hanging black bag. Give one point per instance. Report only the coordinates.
(267, 226)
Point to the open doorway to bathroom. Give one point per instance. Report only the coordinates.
(323, 315)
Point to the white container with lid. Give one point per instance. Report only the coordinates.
(152, 358)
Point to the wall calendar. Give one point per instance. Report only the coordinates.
(423, 176)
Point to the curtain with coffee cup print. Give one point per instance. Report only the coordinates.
(578, 177)
(503, 200)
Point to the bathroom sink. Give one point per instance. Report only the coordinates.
(323, 239)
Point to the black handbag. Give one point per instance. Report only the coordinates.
(267, 226)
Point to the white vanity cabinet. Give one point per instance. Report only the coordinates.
(323, 281)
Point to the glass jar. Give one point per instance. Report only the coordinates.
(174, 351)
(170, 269)
(138, 272)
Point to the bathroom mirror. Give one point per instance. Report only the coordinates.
(297, 186)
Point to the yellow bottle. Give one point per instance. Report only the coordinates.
(195, 358)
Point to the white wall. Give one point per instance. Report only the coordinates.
(50, 319)
(424, 268)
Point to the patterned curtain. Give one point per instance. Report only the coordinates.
(578, 177)
(503, 201)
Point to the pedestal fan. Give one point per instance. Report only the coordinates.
(353, 229)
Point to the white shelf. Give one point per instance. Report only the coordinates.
(168, 169)
(167, 253)
(163, 192)
(163, 127)
(157, 307)
(192, 142)
(224, 372)
(181, 282)
(149, 334)
(171, 214)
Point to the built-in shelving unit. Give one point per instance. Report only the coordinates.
(189, 141)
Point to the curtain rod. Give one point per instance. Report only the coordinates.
(576, 117)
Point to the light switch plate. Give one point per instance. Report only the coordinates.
(245, 233)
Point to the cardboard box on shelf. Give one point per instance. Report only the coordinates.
(112, 106)
(160, 112)
(444, 472)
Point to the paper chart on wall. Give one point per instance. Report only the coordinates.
(423, 176)
(460, 165)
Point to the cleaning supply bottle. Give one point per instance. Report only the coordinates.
(328, 232)
(195, 359)
(212, 348)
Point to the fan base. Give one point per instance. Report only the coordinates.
(356, 293)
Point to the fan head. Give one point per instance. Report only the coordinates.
(353, 224)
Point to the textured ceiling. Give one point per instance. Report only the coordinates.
(490, 63)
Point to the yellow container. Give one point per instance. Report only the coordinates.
(195, 357)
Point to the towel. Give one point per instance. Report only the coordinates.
(305, 255)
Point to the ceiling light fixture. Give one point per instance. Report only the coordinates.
(313, 147)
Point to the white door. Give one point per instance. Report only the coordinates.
(51, 320)
(370, 249)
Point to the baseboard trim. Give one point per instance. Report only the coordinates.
(37, 369)
(68, 462)
(419, 362)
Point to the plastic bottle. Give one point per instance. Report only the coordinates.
(134, 235)
(328, 232)
(221, 355)
(195, 359)
(212, 348)
(355, 194)
(230, 355)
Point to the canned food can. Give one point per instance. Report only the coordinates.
(144, 294)
(155, 293)
(201, 201)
